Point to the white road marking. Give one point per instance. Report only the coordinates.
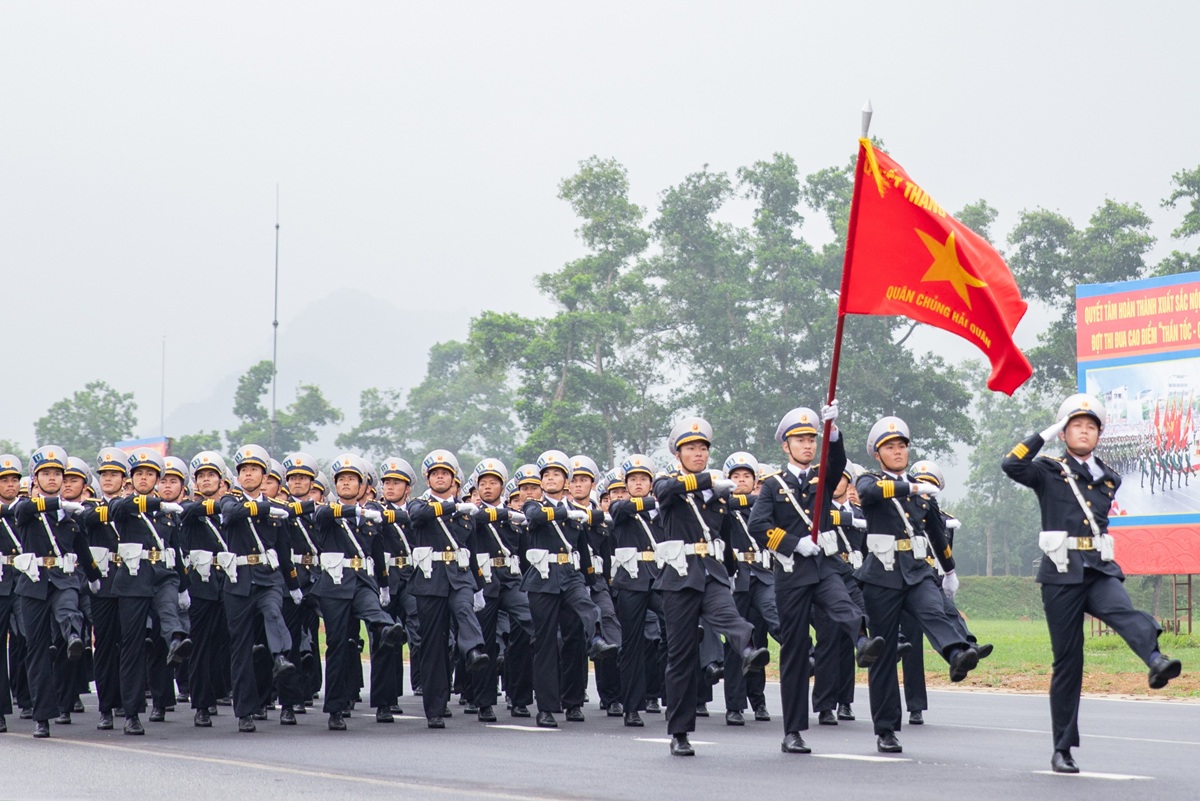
(1083, 774)
(863, 757)
(515, 727)
(1044, 732)
(667, 741)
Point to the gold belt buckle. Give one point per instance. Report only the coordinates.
(903, 545)
(400, 561)
(845, 557)
(647, 556)
(564, 558)
(253, 559)
(1084, 544)
(48, 561)
(155, 555)
(498, 561)
(701, 549)
(356, 563)
(307, 560)
(8, 560)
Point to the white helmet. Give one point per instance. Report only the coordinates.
(741, 460)
(440, 458)
(1082, 403)
(884, 430)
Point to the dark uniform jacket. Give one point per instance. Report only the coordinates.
(337, 529)
(877, 491)
(200, 524)
(680, 495)
(10, 546)
(100, 532)
(393, 532)
(1060, 508)
(306, 553)
(631, 519)
(544, 520)
(744, 545)
(37, 520)
(134, 516)
(493, 527)
(242, 519)
(424, 514)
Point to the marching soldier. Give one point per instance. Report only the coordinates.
(895, 576)
(10, 549)
(753, 591)
(202, 540)
(257, 568)
(348, 587)
(148, 580)
(52, 545)
(299, 469)
(496, 546)
(444, 583)
(636, 533)
(695, 583)
(387, 666)
(1078, 574)
(808, 573)
(833, 685)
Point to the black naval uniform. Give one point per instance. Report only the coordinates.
(387, 664)
(754, 595)
(909, 587)
(1090, 585)
(105, 616)
(494, 547)
(447, 592)
(598, 535)
(50, 605)
(10, 547)
(350, 597)
(303, 620)
(560, 601)
(833, 683)
(636, 526)
(202, 540)
(254, 538)
(703, 592)
(814, 582)
(153, 591)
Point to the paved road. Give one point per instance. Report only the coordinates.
(977, 746)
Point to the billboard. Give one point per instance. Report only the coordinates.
(161, 445)
(1138, 345)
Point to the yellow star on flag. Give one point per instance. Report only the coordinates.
(946, 266)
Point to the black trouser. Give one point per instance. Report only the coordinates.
(572, 612)
(916, 699)
(515, 604)
(436, 612)
(240, 612)
(106, 657)
(923, 601)
(1103, 597)
(7, 602)
(133, 613)
(292, 687)
(54, 620)
(17, 673)
(608, 672)
(342, 616)
(632, 606)
(757, 605)
(683, 610)
(834, 670)
(208, 627)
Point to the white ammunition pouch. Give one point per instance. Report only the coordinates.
(540, 559)
(1104, 544)
(786, 560)
(855, 560)
(463, 557)
(513, 564)
(68, 562)
(484, 561)
(673, 553)
(28, 564)
(228, 562)
(272, 559)
(334, 564)
(920, 547)
(883, 546)
(131, 556)
(828, 541)
(103, 558)
(1054, 545)
(423, 558)
(628, 559)
(201, 562)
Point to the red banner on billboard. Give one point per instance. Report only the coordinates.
(1157, 319)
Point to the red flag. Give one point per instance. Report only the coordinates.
(907, 256)
(1157, 429)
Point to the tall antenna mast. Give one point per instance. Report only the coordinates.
(275, 326)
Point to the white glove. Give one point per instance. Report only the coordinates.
(185, 600)
(923, 488)
(279, 512)
(806, 547)
(829, 412)
(860, 523)
(167, 506)
(466, 509)
(516, 517)
(953, 523)
(578, 515)
(477, 601)
(607, 518)
(94, 586)
(374, 515)
(297, 597)
(950, 585)
(71, 507)
(385, 596)
(723, 485)
(1053, 431)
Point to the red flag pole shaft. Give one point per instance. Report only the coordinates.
(851, 229)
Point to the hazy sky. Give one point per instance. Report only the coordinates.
(418, 147)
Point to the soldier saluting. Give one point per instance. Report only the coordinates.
(1079, 575)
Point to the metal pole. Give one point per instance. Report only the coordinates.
(162, 394)
(275, 326)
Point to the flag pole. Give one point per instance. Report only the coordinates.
(822, 476)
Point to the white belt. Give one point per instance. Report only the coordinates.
(202, 563)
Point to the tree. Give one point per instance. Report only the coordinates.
(294, 426)
(1187, 188)
(93, 418)
(189, 445)
(8, 446)
(1050, 257)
